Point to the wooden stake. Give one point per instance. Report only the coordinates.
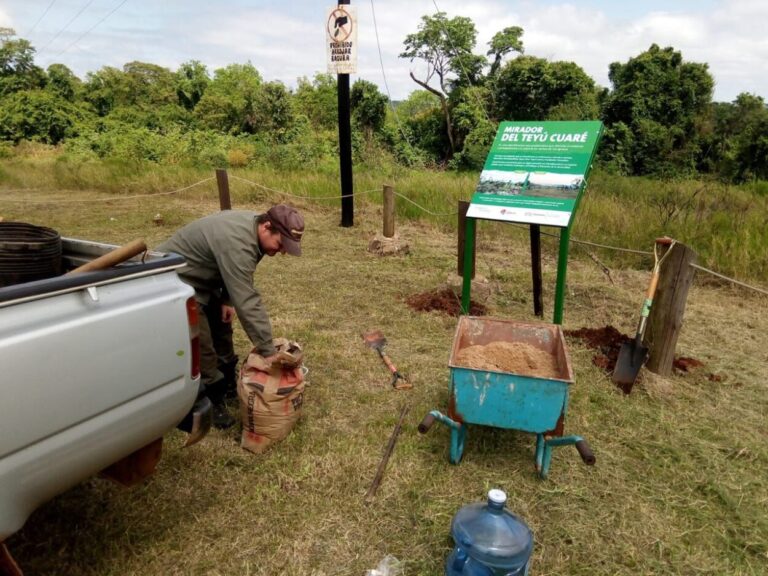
(389, 211)
(387, 453)
(666, 318)
(222, 179)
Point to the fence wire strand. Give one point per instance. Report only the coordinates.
(110, 199)
(337, 197)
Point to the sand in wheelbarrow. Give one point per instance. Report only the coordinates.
(515, 357)
(445, 301)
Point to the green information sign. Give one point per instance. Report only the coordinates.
(535, 172)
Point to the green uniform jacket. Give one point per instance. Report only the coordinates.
(222, 251)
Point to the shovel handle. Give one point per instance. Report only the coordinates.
(388, 362)
(113, 257)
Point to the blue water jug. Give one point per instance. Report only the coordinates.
(490, 540)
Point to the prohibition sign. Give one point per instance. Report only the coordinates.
(339, 26)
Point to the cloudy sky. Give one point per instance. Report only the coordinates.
(285, 39)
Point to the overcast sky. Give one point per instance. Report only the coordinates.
(285, 39)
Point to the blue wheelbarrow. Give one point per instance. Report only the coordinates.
(513, 400)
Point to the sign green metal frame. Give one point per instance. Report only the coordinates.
(535, 173)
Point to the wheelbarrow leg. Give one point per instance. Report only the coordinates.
(458, 435)
(543, 455)
(544, 448)
(458, 432)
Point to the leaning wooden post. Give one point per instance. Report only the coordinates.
(666, 317)
(462, 239)
(223, 181)
(389, 211)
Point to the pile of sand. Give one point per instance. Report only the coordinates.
(515, 357)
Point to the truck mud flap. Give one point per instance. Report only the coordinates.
(137, 466)
(198, 421)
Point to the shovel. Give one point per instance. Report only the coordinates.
(632, 355)
(376, 340)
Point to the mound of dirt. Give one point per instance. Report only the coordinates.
(444, 300)
(607, 340)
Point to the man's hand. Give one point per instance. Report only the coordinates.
(227, 314)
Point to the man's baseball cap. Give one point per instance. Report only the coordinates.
(290, 224)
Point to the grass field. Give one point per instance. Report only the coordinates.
(681, 480)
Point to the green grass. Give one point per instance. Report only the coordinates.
(681, 477)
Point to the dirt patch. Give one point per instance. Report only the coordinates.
(444, 300)
(515, 357)
(606, 340)
(686, 364)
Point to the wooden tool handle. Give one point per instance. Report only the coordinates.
(113, 257)
(389, 364)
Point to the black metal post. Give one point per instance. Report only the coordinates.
(538, 301)
(345, 147)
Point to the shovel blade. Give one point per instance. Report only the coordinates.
(374, 339)
(631, 358)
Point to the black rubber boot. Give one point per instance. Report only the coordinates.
(221, 417)
(229, 370)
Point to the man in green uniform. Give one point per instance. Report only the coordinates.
(222, 251)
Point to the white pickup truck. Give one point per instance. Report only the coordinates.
(94, 369)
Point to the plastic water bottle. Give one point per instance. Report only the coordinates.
(490, 540)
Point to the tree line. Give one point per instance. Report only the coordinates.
(659, 115)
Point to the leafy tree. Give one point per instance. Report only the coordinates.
(17, 66)
(238, 101)
(318, 101)
(229, 103)
(446, 46)
(149, 84)
(106, 89)
(741, 138)
(727, 138)
(418, 102)
(472, 124)
(369, 107)
(530, 88)
(273, 112)
(38, 115)
(63, 82)
(657, 94)
(502, 43)
(191, 82)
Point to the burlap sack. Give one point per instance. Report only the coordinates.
(270, 396)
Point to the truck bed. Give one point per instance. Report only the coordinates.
(94, 366)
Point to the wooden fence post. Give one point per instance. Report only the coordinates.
(223, 181)
(666, 317)
(389, 211)
(463, 207)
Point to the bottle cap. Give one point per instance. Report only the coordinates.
(497, 496)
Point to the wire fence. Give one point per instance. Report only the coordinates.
(337, 197)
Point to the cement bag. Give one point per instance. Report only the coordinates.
(270, 396)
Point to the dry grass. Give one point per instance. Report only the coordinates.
(681, 478)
